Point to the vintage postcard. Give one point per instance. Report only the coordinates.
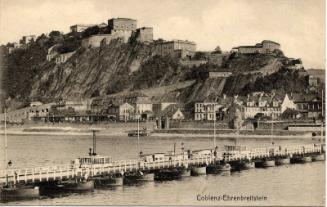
(175, 102)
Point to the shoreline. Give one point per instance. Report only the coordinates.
(122, 130)
(61, 131)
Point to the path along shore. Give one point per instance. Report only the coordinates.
(121, 130)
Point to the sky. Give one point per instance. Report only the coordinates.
(298, 25)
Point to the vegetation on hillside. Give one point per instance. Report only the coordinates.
(154, 71)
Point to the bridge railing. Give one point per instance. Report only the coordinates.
(66, 171)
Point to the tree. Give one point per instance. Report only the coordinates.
(290, 114)
(91, 31)
(278, 53)
(199, 56)
(54, 34)
(217, 50)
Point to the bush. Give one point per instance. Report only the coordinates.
(290, 114)
(91, 31)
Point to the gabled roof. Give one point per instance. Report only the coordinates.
(170, 110)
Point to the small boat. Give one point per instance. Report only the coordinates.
(135, 133)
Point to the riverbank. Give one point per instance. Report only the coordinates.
(121, 129)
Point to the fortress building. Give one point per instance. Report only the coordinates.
(176, 48)
(80, 27)
(265, 47)
(144, 34)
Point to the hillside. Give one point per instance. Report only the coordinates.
(120, 67)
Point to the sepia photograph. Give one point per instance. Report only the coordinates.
(162, 103)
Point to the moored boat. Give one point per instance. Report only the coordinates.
(246, 165)
(269, 163)
(301, 159)
(135, 133)
(318, 157)
(12, 193)
(198, 170)
(217, 168)
(283, 160)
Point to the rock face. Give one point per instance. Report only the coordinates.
(92, 72)
(121, 67)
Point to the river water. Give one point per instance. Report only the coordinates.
(296, 184)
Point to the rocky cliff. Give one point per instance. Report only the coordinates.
(121, 67)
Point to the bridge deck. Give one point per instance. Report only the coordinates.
(58, 172)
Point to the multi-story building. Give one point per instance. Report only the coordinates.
(266, 46)
(141, 103)
(309, 105)
(124, 24)
(265, 104)
(206, 110)
(176, 48)
(124, 111)
(122, 28)
(26, 114)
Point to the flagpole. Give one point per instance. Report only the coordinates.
(6, 146)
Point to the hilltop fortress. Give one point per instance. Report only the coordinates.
(125, 30)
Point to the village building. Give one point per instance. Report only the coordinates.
(173, 112)
(141, 103)
(52, 52)
(266, 104)
(122, 112)
(176, 48)
(62, 58)
(206, 110)
(76, 106)
(309, 105)
(313, 81)
(266, 46)
(27, 114)
(287, 103)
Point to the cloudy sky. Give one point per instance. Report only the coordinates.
(298, 25)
